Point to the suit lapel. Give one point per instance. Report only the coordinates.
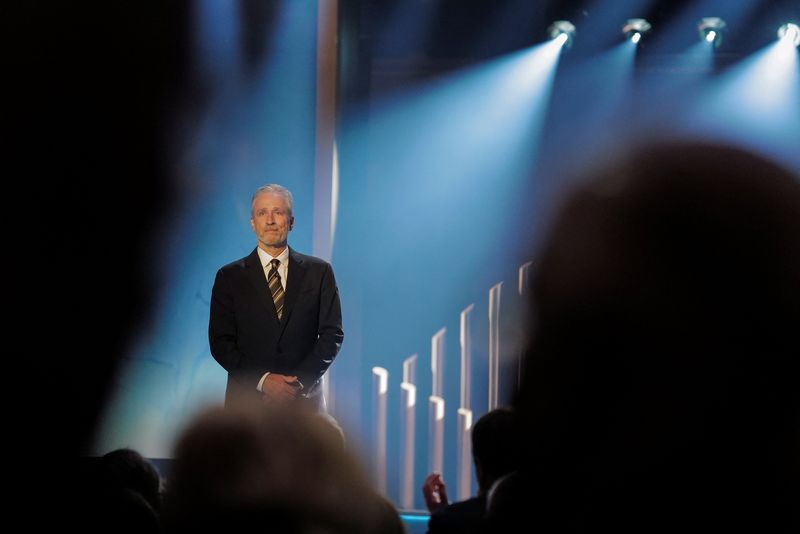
(294, 281)
(255, 272)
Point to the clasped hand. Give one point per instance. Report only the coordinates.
(280, 388)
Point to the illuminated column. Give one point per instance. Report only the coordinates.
(326, 172)
(435, 434)
(464, 474)
(523, 289)
(325, 160)
(329, 391)
(436, 404)
(410, 369)
(380, 386)
(466, 359)
(494, 345)
(464, 443)
(437, 363)
(408, 398)
(408, 407)
(522, 286)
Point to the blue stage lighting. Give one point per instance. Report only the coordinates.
(562, 31)
(710, 29)
(755, 102)
(791, 32)
(635, 28)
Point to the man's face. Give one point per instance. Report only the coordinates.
(271, 220)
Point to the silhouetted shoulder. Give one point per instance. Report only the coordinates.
(462, 516)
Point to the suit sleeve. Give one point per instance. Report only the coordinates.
(222, 333)
(329, 335)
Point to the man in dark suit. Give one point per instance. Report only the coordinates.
(276, 321)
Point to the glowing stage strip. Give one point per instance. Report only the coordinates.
(522, 284)
(523, 287)
(464, 338)
(410, 369)
(437, 363)
(325, 169)
(464, 459)
(325, 160)
(408, 406)
(494, 345)
(380, 387)
(435, 434)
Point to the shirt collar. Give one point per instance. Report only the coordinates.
(266, 258)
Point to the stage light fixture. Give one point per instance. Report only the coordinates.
(791, 32)
(562, 30)
(711, 29)
(635, 28)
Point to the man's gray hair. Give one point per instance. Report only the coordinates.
(274, 189)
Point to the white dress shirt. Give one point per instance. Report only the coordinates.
(283, 271)
(283, 268)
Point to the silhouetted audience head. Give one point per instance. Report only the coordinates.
(127, 469)
(123, 493)
(283, 470)
(494, 449)
(661, 390)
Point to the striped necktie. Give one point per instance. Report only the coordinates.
(275, 287)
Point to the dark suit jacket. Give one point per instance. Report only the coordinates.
(463, 516)
(247, 339)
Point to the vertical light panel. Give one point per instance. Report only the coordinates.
(464, 444)
(494, 345)
(329, 391)
(408, 406)
(522, 283)
(464, 465)
(435, 434)
(437, 363)
(410, 369)
(466, 358)
(436, 404)
(380, 388)
(522, 289)
(325, 171)
(325, 156)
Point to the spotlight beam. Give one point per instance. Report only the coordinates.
(755, 102)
